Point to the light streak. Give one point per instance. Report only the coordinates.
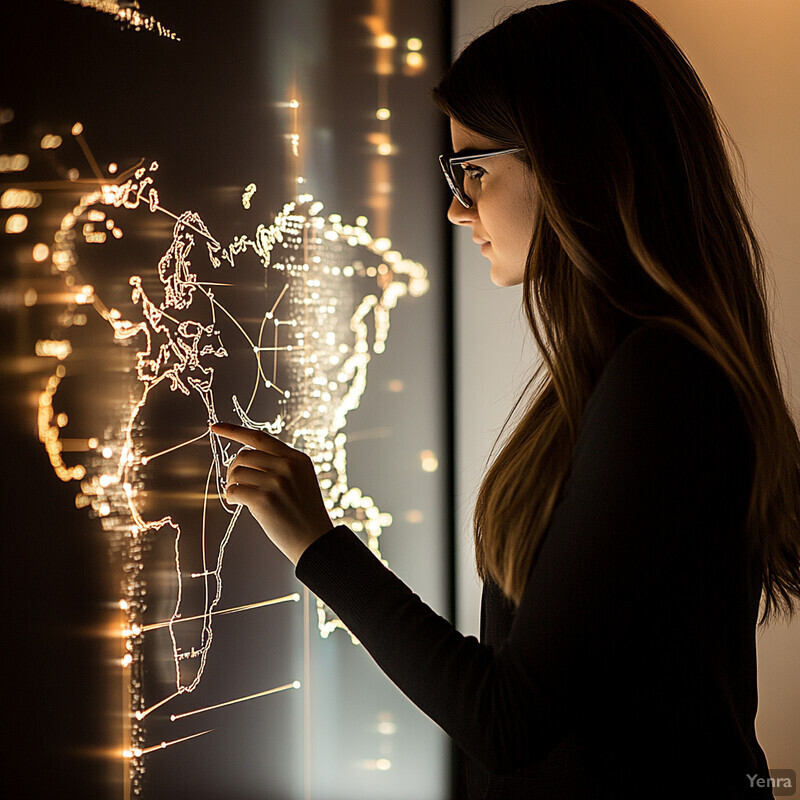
(293, 685)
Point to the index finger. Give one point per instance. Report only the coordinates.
(256, 439)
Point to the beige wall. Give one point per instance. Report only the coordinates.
(746, 52)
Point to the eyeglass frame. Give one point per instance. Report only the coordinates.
(447, 160)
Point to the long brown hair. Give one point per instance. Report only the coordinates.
(639, 218)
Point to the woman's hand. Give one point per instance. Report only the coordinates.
(279, 486)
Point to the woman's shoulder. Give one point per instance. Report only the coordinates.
(658, 374)
(654, 343)
(657, 355)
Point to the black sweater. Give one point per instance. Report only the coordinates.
(629, 668)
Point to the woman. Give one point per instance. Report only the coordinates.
(650, 492)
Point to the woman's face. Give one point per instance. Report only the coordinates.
(503, 194)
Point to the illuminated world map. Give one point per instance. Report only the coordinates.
(327, 291)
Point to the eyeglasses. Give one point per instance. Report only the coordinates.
(452, 166)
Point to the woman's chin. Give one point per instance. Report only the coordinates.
(501, 277)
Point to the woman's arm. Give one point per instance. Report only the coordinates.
(658, 476)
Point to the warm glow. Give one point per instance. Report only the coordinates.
(428, 461)
(415, 60)
(16, 223)
(20, 198)
(16, 163)
(386, 41)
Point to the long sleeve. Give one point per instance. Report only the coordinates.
(643, 558)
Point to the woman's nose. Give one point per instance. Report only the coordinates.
(459, 215)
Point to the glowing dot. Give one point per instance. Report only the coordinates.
(414, 44)
(383, 764)
(77, 129)
(112, 168)
(127, 753)
(362, 221)
(20, 198)
(92, 443)
(294, 104)
(382, 244)
(104, 510)
(117, 233)
(30, 297)
(106, 480)
(50, 142)
(40, 252)
(386, 41)
(16, 223)
(296, 685)
(107, 452)
(384, 149)
(123, 604)
(126, 660)
(383, 113)
(428, 461)
(62, 420)
(415, 60)
(387, 728)
(73, 174)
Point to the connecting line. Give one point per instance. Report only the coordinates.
(142, 714)
(233, 319)
(280, 297)
(294, 685)
(287, 598)
(89, 157)
(147, 459)
(260, 371)
(164, 745)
